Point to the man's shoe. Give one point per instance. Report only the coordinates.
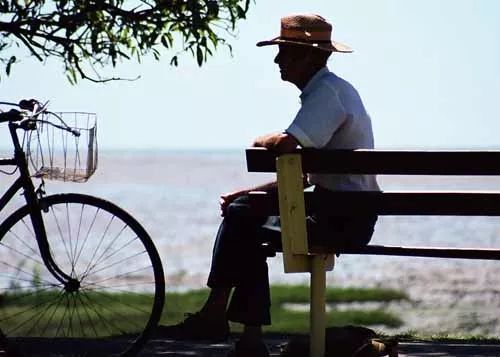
(243, 348)
(195, 327)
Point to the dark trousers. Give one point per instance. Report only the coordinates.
(239, 261)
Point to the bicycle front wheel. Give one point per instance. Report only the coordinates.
(120, 291)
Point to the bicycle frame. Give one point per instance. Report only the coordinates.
(24, 182)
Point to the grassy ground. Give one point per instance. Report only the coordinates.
(51, 313)
(24, 313)
(292, 321)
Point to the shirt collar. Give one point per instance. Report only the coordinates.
(312, 82)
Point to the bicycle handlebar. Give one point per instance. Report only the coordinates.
(11, 115)
(29, 104)
(36, 108)
(75, 132)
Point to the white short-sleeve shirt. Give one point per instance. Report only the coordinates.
(332, 116)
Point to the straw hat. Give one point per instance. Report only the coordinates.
(307, 30)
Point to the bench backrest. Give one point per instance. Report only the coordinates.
(383, 162)
(294, 204)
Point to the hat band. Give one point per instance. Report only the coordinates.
(303, 35)
(291, 39)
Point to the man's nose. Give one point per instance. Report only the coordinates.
(277, 58)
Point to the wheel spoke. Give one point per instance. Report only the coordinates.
(24, 311)
(116, 251)
(118, 287)
(103, 318)
(62, 319)
(116, 263)
(14, 279)
(82, 329)
(78, 235)
(124, 319)
(91, 226)
(61, 236)
(72, 261)
(18, 269)
(72, 311)
(28, 228)
(114, 297)
(23, 241)
(46, 310)
(98, 260)
(20, 297)
(99, 245)
(29, 257)
(51, 317)
(87, 313)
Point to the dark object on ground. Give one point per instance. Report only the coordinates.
(348, 341)
(195, 327)
(245, 349)
(5, 348)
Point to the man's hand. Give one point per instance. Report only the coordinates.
(279, 142)
(227, 198)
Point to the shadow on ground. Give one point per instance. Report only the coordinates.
(162, 347)
(174, 348)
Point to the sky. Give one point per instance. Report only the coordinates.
(428, 72)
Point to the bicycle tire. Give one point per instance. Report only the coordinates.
(122, 287)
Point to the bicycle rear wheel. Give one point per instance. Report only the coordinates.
(121, 283)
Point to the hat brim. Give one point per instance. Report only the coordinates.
(332, 46)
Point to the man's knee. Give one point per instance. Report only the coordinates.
(240, 212)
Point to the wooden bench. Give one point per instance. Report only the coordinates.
(292, 205)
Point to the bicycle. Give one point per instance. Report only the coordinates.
(78, 274)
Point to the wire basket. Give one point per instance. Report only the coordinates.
(57, 154)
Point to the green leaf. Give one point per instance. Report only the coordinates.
(12, 60)
(199, 56)
(212, 9)
(71, 75)
(164, 42)
(156, 54)
(241, 13)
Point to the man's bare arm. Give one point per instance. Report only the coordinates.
(279, 142)
(227, 198)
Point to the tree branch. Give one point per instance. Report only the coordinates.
(106, 32)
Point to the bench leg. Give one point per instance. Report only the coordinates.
(317, 308)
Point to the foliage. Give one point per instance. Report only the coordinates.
(87, 35)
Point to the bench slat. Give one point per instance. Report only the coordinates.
(389, 203)
(382, 162)
(427, 252)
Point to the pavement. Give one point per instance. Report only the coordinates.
(162, 347)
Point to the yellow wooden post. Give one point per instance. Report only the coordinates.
(296, 256)
(292, 213)
(317, 314)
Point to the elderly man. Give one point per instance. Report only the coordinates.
(332, 116)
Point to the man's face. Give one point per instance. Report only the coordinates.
(293, 62)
